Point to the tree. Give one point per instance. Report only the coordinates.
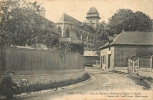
(20, 24)
(102, 36)
(126, 19)
(72, 47)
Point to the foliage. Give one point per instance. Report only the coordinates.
(102, 36)
(79, 48)
(72, 47)
(20, 24)
(126, 19)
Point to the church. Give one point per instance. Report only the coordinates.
(73, 31)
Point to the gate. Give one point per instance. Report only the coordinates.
(133, 64)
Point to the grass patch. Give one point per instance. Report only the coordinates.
(141, 81)
(54, 85)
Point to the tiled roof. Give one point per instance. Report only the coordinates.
(69, 19)
(134, 38)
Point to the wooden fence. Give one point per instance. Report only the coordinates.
(31, 59)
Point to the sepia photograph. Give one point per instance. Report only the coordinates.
(76, 49)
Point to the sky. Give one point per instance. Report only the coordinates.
(79, 8)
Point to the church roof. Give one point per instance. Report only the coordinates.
(68, 19)
(92, 13)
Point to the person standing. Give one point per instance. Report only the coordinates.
(7, 85)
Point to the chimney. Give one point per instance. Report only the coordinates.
(42, 12)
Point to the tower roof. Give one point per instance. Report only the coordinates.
(93, 10)
(92, 13)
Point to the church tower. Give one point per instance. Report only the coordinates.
(92, 18)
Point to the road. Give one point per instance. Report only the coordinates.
(96, 82)
(99, 81)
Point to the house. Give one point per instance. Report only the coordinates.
(118, 50)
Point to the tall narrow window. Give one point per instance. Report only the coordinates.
(67, 33)
(59, 31)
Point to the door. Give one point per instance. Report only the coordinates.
(109, 61)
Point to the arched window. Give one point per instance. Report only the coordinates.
(67, 33)
(59, 31)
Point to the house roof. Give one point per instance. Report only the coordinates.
(89, 53)
(132, 38)
(111, 38)
(69, 19)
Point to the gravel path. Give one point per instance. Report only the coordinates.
(120, 82)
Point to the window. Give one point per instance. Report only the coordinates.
(59, 31)
(67, 33)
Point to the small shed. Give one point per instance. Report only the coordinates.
(90, 58)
